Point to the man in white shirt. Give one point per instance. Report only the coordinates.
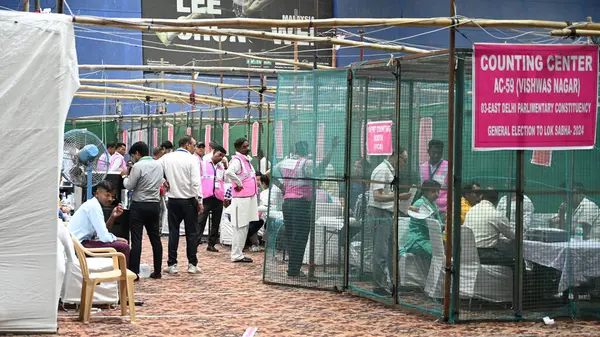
(585, 214)
(244, 202)
(263, 164)
(88, 222)
(182, 172)
(528, 207)
(487, 224)
(380, 214)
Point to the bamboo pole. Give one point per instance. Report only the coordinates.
(26, 6)
(263, 35)
(296, 56)
(175, 69)
(250, 56)
(575, 32)
(170, 80)
(95, 95)
(135, 92)
(331, 23)
(142, 92)
(181, 93)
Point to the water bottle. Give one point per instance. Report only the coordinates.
(578, 233)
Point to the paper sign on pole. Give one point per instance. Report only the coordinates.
(362, 139)
(207, 136)
(170, 133)
(155, 137)
(254, 140)
(534, 97)
(279, 139)
(188, 131)
(320, 141)
(379, 138)
(226, 136)
(542, 158)
(425, 135)
(125, 138)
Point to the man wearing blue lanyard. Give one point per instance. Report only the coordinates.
(184, 193)
(144, 181)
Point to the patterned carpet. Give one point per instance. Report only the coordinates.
(227, 298)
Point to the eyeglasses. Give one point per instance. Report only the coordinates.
(200, 146)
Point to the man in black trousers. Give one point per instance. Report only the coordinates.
(144, 181)
(212, 173)
(184, 191)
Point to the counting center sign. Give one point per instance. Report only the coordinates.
(534, 97)
(379, 138)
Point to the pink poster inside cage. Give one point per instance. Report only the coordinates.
(207, 131)
(139, 136)
(425, 135)
(542, 158)
(155, 137)
(226, 136)
(379, 138)
(170, 133)
(254, 139)
(534, 97)
(188, 131)
(320, 141)
(126, 138)
(279, 140)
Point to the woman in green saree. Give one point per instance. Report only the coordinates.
(418, 242)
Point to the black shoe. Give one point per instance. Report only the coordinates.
(156, 275)
(244, 260)
(212, 249)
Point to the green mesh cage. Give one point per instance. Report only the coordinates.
(310, 116)
(338, 239)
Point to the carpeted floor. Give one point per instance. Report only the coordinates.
(225, 299)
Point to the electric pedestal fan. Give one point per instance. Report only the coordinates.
(81, 153)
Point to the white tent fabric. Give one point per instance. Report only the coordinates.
(38, 78)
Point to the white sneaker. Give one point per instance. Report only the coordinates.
(172, 269)
(255, 248)
(192, 269)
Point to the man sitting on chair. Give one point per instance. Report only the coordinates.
(487, 223)
(88, 222)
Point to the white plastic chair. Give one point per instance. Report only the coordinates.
(434, 287)
(412, 268)
(104, 293)
(487, 282)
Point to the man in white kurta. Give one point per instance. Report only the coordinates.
(244, 201)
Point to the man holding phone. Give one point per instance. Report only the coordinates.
(88, 222)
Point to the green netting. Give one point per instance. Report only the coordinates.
(306, 251)
(106, 131)
(553, 278)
